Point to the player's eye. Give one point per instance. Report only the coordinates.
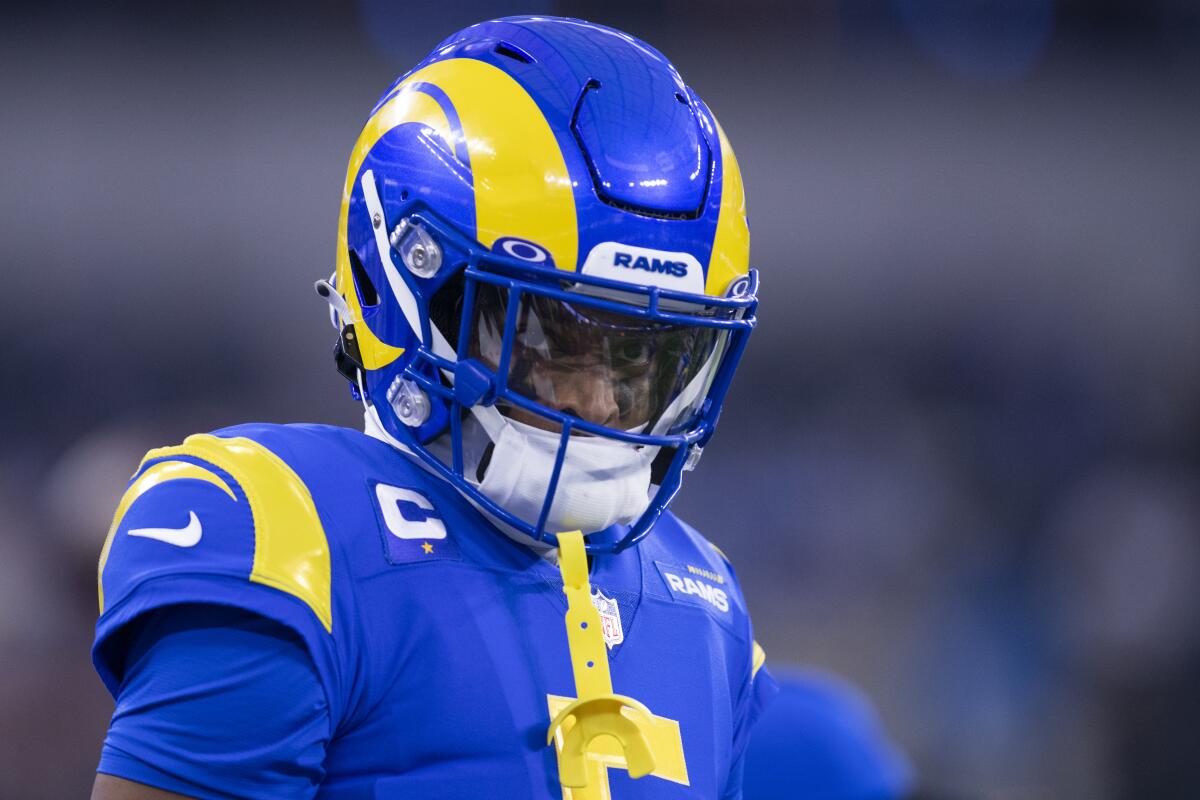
(633, 354)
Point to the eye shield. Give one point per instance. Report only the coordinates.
(599, 365)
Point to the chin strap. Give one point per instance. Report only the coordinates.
(645, 744)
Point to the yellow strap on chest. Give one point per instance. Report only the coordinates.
(642, 740)
(589, 658)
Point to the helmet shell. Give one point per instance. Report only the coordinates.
(545, 140)
(557, 132)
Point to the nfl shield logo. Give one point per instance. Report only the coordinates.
(610, 618)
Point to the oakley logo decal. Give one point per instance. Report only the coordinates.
(522, 249)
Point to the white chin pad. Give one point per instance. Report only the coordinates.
(602, 482)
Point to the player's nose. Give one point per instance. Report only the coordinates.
(588, 394)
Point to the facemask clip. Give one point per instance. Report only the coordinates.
(409, 402)
(473, 384)
(418, 250)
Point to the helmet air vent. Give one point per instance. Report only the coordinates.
(367, 295)
(642, 143)
(512, 51)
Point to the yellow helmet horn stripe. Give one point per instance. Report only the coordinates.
(402, 108)
(522, 187)
(731, 245)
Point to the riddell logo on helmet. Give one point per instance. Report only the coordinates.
(659, 265)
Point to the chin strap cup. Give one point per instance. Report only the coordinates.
(647, 744)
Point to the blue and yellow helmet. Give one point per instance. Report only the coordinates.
(543, 194)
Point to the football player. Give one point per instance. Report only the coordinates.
(541, 295)
(821, 738)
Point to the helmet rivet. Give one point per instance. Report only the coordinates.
(376, 220)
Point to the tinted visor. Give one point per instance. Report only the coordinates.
(608, 368)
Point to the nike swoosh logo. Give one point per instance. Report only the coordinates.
(187, 536)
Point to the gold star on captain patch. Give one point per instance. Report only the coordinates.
(427, 547)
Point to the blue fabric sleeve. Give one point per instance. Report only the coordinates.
(217, 702)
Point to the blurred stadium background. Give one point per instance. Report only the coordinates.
(961, 463)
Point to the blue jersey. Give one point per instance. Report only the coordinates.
(438, 641)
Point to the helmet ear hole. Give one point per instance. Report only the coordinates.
(367, 295)
(445, 308)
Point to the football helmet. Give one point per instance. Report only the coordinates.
(542, 286)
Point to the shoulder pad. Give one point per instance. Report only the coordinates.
(675, 539)
(686, 568)
(218, 506)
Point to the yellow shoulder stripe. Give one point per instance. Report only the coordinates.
(720, 552)
(159, 473)
(760, 658)
(291, 551)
